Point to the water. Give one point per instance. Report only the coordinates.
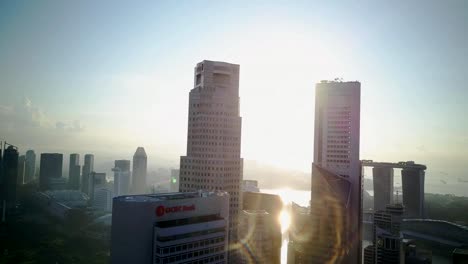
(302, 198)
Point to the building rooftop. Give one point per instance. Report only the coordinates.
(167, 196)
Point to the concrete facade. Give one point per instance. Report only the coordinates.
(213, 159)
(335, 230)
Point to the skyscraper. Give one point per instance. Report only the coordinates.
(88, 167)
(74, 172)
(9, 175)
(121, 177)
(336, 175)
(50, 167)
(214, 137)
(139, 171)
(21, 169)
(30, 167)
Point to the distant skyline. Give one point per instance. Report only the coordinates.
(106, 77)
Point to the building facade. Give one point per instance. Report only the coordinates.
(30, 166)
(139, 171)
(9, 175)
(335, 219)
(74, 171)
(257, 237)
(21, 169)
(213, 159)
(51, 167)
(88, 167)
(122, 177)
(170, 228)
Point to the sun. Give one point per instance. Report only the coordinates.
(285, 220)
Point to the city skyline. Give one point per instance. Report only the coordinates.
(397, 102)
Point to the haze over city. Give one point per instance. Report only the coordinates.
(107, 77)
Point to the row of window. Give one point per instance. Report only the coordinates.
(225, 138)
(215, 113)
(338, 146)
(193, 254)
(212, 156)
(226, 162)
(339, 131)
(211, 143)
(338, 141)
(233, 132)
(228, 125)
(338, 151)
(339, 127)
(338, 156)
(339, 122)
(338, 136)
(213, 150)
(212, 168)
(211, 105)
(188, 246)
(338, 161)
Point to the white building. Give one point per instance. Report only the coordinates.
(170, 228)
(336, 175)
(213, 159)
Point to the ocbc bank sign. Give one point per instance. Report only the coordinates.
(162, 210)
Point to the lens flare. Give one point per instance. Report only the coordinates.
(285, 220)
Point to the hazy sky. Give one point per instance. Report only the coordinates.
(106, 77)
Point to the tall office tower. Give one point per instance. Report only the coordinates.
(30, 167)
(214, 137)
(88, 167)
(412, 179)
(257, 236)
(383, 186)
(103, 198)
(335, 229)
(170, 228)
(74, 172)
(50, 167)
(121, 177)
(139, 171)
(21, 169)
(96, 180)
(174, 187)
(387, 247)
(9, 176)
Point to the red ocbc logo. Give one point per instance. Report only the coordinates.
(161, 210)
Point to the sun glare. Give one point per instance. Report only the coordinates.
(285, 220)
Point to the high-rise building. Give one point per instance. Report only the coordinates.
(412, 179)
(387, 239)
(139, 171)
(103, 198)
(175, 178)
(257, 237)
(383, 186)
(336, 175)
(74, 170)
(121, 177)
(21, 169)
(88, 167)
(170, 228)
(51, 167)
(96, 180)
(30, 167)
(9, 174)
(213, 159)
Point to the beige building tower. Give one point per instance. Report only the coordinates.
(213, 159)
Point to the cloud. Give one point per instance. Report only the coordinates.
(26, 116)
(75, 127)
